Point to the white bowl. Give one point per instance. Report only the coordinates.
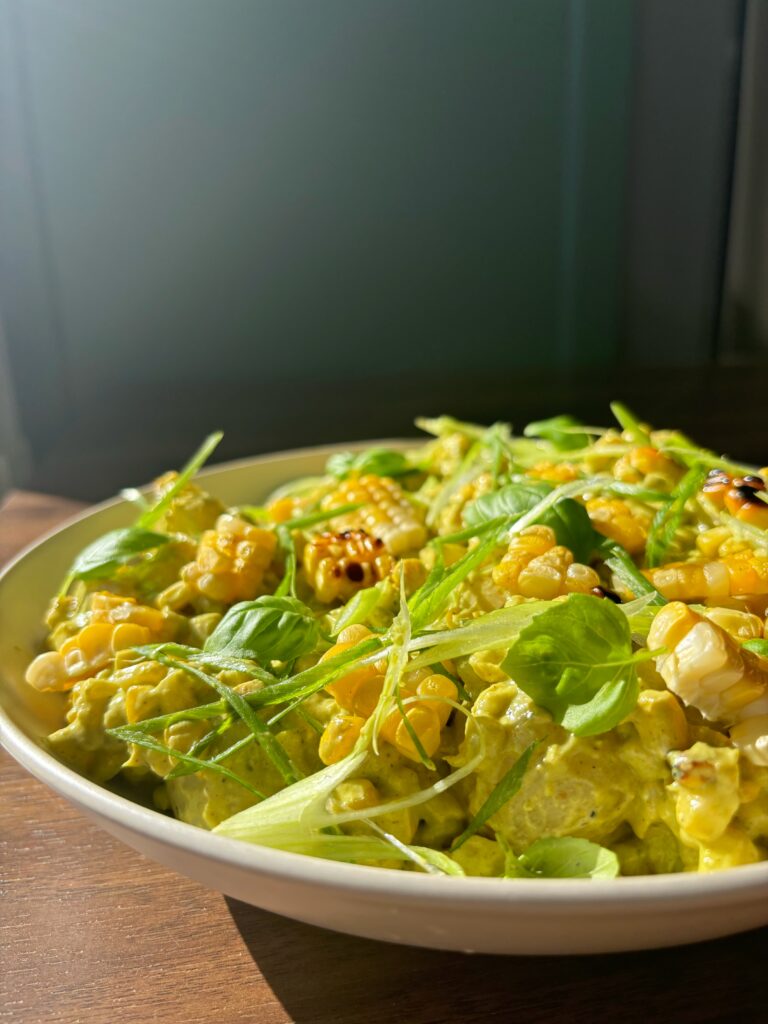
(474, 914)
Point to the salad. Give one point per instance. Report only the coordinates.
(515, 656)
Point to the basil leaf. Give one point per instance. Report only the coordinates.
(267, 629)
(568, 518)
(576, 661)
(501, 794)
(507, 503)
(559, 432)
(567, 857)
(573, 528)
(114, 549)
(377, 461)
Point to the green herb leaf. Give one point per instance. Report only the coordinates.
(756, 647)
(378, 461)
(268, 743)
(576, 661)
(507, 503)
(433, 595)
(267, 629)
(573, 528)
(203, 453)
(501, 794)
(567, 857)
(129, 734)
(619, 561)
(359, 607)
(630, 424)
(561, 431)
(667, 520)
(118, 547)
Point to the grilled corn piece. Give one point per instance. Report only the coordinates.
(337, 565)
(618, 520)
(386, 512)
(231, 560)
(742, 574)
(536, 566)
(708, 670)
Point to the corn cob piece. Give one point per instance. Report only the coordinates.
(618, 520)
(536, 566)
(231, 560)
(742, 574)
(337, 565)
(554, 472)
(386, 512)
(739, 496)
(708, 670)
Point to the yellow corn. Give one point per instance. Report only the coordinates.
(231, 560)
(741, 574)
(554, 472)
(646, 464)
(337, 565)
(339, 737)
(535, 566)
(619, 521)
(116, 623)
(739, 496)
(708, 670)
(386, 512)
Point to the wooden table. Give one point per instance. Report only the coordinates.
(92, 932)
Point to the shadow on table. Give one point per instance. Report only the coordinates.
(321, 977)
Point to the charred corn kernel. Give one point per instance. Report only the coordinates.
(426, 725)
(337, 565)
(554, 472)
(743, 574)
(386, 512)
(738, 495)
(710, 671)
(535, 566)
(706, 788)
(339, 737)
(646, 464)
(231, 560)
(441, 689)
(620, 521)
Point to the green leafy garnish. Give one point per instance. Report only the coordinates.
(756, 647)
(562, 857)
(433, 595)
(507, 503)
(667, 520)
(501, 794)
(630, 424)
(118, 547)
(561, 431)
(266, 629)
(619, 561)
(359, 607)
(573, 528)
(377, 461)
(203, 453)
(576, 661)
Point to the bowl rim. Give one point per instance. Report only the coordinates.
(599, 895)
